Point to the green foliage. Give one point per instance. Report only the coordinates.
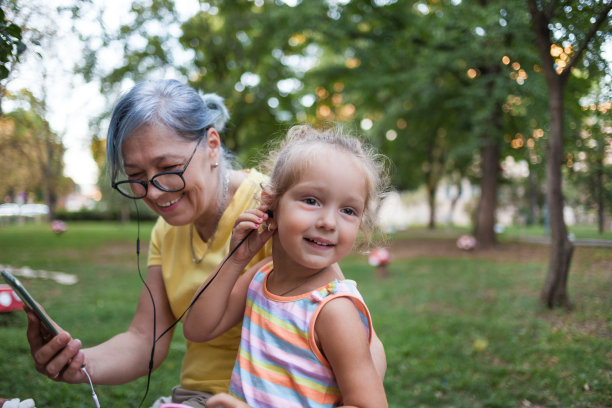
(241, 59)
(11, 46)
(460, 330)
(437, 80)
(32, 154)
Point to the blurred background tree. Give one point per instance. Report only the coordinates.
(569, 37)
(32, 155)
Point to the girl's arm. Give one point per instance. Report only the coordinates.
(344, 342)
(378, 354)
(221, 306)
(376, 347)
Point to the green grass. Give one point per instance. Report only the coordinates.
(458, 332)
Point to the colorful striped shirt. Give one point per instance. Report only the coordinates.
(278, 362)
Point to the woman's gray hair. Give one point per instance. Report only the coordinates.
(163, 102)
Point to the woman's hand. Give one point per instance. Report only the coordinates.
(60, 358)
(249, 222)
(225, 401)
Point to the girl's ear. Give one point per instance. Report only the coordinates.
(267, 199)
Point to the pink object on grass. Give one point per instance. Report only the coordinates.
(379, 256)
(466, 242)
(59, 227)
(9, 300)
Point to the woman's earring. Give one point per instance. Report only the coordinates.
(215, 165)
(271, 226)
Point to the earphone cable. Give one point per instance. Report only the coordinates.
(205, 286)
(93, 392)
(156, 339)
(152, 357)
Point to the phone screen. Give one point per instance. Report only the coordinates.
(29, 301)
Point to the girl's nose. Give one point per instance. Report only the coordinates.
(327, 219)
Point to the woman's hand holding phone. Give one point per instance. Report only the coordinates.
(56, 354)
(60, 357)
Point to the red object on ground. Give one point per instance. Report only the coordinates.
(379, 256)
(9, 300)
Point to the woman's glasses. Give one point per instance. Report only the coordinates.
(169, 181)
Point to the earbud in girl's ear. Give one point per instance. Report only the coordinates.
(271, 224)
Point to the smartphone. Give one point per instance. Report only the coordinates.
(29, 301)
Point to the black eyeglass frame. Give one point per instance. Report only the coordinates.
(145, 183)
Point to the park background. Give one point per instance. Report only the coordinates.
(496, 118)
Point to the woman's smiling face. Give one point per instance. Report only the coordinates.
(153, 149)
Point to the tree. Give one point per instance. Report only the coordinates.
(593, 175)
(234, 49)
(434, 80)
(32, 155)
(383, 70)
(491, 39)
(576, 27)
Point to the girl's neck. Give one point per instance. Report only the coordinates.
(286, 280)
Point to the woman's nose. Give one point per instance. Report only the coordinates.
(153, 192)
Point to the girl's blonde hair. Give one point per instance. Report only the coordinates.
(296, 152)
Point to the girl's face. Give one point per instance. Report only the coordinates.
(318, 218)
(153, 149)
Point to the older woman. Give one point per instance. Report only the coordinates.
(163, 147)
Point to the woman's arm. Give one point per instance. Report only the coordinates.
(221, 306)
(122, 358)
(344, 342)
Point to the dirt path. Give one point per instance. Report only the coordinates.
(413, 248)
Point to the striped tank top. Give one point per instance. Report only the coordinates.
(278, 362)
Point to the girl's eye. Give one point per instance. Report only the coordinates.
(349, 211)
(310, 201)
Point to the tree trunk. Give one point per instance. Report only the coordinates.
(533, 214)
(453, 204)
(431, 200)
(124, 215)
(51, 201)
(484, 231)
(554, 292)
(599, 192)
(436, 156)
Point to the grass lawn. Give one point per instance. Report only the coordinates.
(461, 329)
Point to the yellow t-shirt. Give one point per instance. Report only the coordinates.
(206, 366)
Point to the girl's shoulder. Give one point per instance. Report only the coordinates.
(336, 288)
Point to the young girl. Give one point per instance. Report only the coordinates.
(306, 331)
